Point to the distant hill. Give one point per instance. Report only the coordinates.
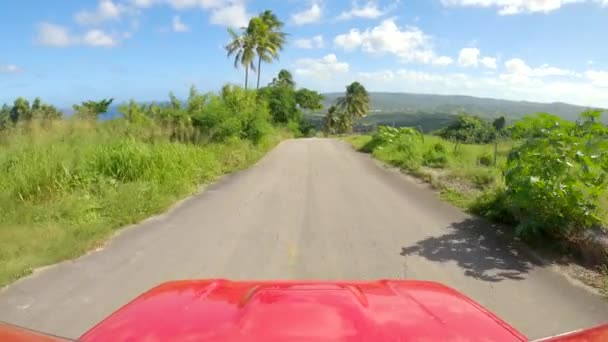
(406, 103)
(431, 112)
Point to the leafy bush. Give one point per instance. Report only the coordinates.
(485, 159)
(556, 177)
(399, 146)
(436, 156)
(469, 129)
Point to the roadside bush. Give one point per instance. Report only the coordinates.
(435, 156)
(399, 146)
(556, 176)
(485, 159)
(235, 112)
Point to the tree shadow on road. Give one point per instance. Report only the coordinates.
(483, 250)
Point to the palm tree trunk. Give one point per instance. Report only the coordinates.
(246, 76)
(259, 71)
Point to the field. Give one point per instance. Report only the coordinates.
(67, 186)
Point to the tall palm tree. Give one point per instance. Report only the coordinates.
(269, 39)
(355, 102)
(243, 49)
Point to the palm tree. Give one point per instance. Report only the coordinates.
(265, 29)
(243, 49)
(284, 79)
(355, 102)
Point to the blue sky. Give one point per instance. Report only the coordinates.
(67, 51)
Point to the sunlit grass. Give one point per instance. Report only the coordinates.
(68, 187)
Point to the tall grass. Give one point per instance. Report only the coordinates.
(68, 185)
(460, 175)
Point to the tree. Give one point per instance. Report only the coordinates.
(337, 121)
(281, 103)
(21, 110)
(354, 104)
(499, 126)
(265, 31)
(283, 79)
(92, 109)
(5, 116)
(469, 129)
(309, 99)
(243, 49)
(356, 101)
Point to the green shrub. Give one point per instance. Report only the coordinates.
(435, 156)
(399, 146)
(556, 177)
(485, 159)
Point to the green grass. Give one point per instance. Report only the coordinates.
(67, 188)
(461, 179)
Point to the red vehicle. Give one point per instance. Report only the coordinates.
(222, 310)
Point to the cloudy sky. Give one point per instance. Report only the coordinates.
(542, 50)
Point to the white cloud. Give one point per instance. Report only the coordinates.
(234, 15)
(10, 69)
(142, 3)
(520, 72)
(369, 11)
(308, 16)
(321, 68)
(488, 62)
(599, 78)
(59, 36)
(98, 38)
(221, 12)
(574, 90)
(310, 43)
(509, 7)
(385, 75)
(443, 60)
(53, 35)
(178, 25)
(106, 10)
(408, 43)
(468, 57)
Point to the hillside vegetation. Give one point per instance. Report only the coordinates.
(69, 183)
(545, 175)
(406, 104)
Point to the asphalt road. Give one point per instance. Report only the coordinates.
(311, 209)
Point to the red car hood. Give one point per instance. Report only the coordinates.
(221, 310)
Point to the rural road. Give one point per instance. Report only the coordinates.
(311, 209)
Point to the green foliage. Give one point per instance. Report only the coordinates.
(283, 79)
(281, 103)
(435, 156)
(21, 110)
(337, 121)
(242, 47)
(265, 29)
(309, 99)
(556, 177)
(355, 102)
(340, 118)
(92, 109)
(262, 38)
(400, 146)
(285, 103)
(234, 113)
(469, 129)
(499, 123)
(68, 185)
(485, 159)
